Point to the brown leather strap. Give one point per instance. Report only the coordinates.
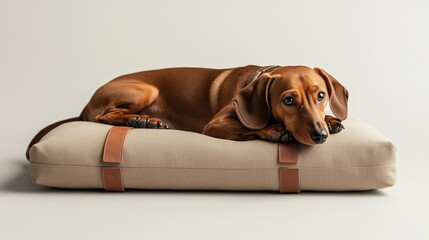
(113, 154)
(289, 180)
(112, 179)
(114, 144)
(288, 153)
(289, 176)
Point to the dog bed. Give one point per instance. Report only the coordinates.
(86, 155)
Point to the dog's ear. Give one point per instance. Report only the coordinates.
(338, 94)
(252, 104)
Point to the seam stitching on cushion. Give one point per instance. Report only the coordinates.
(300, 167)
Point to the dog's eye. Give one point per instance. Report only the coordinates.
(289, 101)
(321, 96)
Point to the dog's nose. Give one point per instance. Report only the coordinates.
(319, 136)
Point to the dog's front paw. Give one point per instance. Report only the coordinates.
(146, 122)
(277, 133)
(334, 124)
(281, 137)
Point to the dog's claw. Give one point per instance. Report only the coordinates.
(160, 125)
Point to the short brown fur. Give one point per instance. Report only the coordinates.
(222, 103)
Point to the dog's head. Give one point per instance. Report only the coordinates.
(295, 96)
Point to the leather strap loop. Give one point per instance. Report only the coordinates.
(288, 153)
(289, 180)
(112, 179)
(114, 144)
(289, 176)
(113, 154)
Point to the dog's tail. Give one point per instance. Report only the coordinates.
(45, 131)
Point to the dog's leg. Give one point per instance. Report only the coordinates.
(334, 124)
(121, 118)
(226, 125)
(121, 102)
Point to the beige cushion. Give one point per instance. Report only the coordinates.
(70, 156)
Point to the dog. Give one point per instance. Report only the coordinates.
(271, 103)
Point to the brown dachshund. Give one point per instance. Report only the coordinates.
(271, 103)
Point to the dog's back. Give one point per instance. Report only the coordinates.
(184, 98)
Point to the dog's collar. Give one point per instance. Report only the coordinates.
(261, 71)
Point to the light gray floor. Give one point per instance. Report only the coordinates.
(28, 210)
(54, 54)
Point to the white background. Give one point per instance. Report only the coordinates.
(55, 54)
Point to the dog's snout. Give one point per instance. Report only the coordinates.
(319, 136)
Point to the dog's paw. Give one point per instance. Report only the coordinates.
(146, 122)
(277, 133)
(281, 137)
(334, 124)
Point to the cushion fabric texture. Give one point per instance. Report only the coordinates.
(70, 156)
